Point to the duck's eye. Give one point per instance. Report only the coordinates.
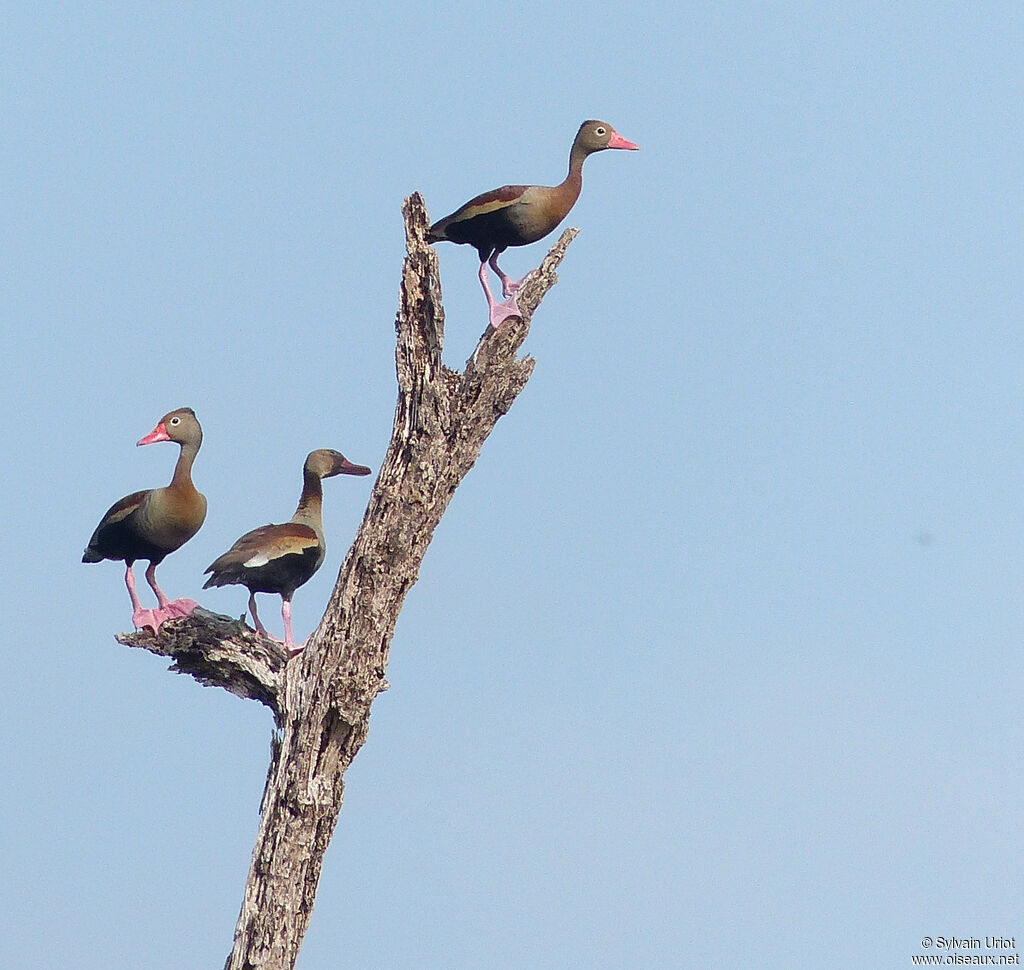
(600, 131)
(175, 421)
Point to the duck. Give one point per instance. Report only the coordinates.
(281, 558)
(153, 523)
(517, 215)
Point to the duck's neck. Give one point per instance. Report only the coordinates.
(182, 478)
(573, 184)
(577, 156)
(310, 510)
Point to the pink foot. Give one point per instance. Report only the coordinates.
(294, 649)
(500, 312)
(179, 608)
(510, 287)
(163, 614)
(151, 618)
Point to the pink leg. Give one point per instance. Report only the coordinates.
(141, 618)
(499, 312)
(260, 628)
(508, 285)
(289, 640)
(169, 610)
(161, 598)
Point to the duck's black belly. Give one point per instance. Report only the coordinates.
(283, 574)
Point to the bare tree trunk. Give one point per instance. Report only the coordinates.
(321, 699)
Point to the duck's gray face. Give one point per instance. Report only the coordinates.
(326, 462)
(596, 136)
(180, 426)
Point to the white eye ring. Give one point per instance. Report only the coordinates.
(599, 131)
(175, 420)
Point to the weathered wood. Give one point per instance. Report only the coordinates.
(219, 652)
(321, 699)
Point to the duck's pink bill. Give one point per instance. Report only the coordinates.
(617, 141)
(159, 433)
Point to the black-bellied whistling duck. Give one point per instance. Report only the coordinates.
(152, 524)
(516, 215)
(280, 558)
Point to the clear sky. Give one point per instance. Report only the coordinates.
(716, 658)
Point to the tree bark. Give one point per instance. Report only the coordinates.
(321, 699)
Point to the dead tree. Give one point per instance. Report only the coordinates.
(321, 699)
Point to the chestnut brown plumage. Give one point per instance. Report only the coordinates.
(516, 215)
(153, 523)
(280, 558)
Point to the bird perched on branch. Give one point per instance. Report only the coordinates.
(153, 523)
(516, 215)
(280, 558)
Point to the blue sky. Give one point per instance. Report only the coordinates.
(715, 660)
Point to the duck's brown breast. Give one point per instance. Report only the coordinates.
(169, 517)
